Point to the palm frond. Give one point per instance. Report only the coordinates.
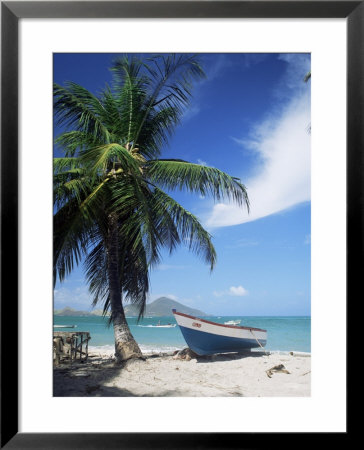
(164, 83)
(96, 273)
(106, 159)
(189, 228)
(71, 142)
(69, 183)
(70, 239)
(76, 107)
(179, 174)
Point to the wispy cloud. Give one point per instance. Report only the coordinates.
(234, 291)
(214, 65)
(191, 111)
(75, 298)
(251, 59)
(201, 162)
(282, 178)
(297, 67)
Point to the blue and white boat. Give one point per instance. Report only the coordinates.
(207, 338)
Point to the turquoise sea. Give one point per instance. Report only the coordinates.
(284, 333)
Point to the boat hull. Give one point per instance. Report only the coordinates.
(207, 338)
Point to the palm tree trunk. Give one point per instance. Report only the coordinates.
(125, 344)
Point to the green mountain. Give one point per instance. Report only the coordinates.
(161, 307)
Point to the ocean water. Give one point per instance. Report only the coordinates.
(284, 333)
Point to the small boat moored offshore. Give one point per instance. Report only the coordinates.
(232, 322)
(207, 338)
(168, 325)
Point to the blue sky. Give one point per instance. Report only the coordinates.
(249, 118)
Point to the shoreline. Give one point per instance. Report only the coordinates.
(108, 350)
(252, 374)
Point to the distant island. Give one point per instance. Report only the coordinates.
(161, 307)
(67, 311)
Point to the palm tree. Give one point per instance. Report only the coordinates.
(112, 210)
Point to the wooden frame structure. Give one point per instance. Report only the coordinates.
(67, 344)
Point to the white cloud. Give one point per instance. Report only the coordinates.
(233, 291)
(282, 179)
(238, 291)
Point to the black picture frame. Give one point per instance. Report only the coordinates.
(11, 12)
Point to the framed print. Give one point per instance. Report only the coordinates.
(45, 42)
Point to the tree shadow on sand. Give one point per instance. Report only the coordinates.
(89, 379)
(85, 379)
(113, 391)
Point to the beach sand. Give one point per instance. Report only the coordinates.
(229, 375)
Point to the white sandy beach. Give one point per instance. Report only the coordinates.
(162, 375)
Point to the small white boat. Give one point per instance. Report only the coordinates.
(169, 325)
(64, 326)
(232, 322)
